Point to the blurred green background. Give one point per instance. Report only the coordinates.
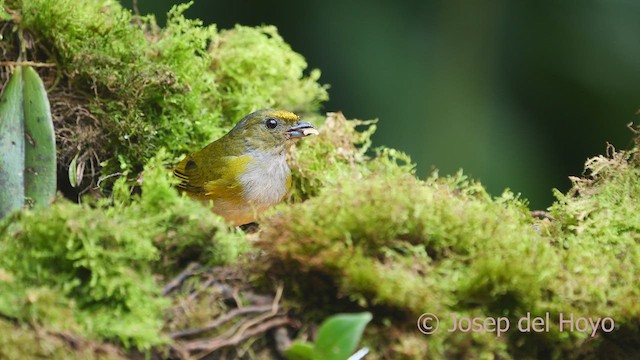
(517, 93)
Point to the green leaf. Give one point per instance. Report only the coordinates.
(300, 351)
(12, 147)
(73, 171)
(339, 335)
(40, 177)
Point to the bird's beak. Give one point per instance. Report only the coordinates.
(301, 129)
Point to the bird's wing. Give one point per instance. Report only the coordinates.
(190, 175)
(228, 186)
(202, 179)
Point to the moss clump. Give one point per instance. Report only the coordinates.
(183, 230)
(339, 151)
(248, 80)
(123, 88)
(90, 268)
(92, 262)
(402, 247)
(399, 247)
(22, 342)
(598, 226)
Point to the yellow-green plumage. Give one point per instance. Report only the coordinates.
(245, 171)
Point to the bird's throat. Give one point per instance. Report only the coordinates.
(266, 179)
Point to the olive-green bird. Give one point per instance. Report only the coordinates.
(245, 171)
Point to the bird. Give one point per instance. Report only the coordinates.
(244, 172)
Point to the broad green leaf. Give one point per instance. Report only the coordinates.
(12, 144)
(300, 351)
(339, 335)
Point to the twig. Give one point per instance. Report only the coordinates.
(219, 321)
(178, 280)
(218, 343)
(80, 344)
(243, 349)
(541, 214)
(136, 11)
(245, 331)
(274, 311)
(27, 63)
(107, 177)
(203, 286)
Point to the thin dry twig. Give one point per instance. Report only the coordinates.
(541, 214)
(217, 343)
(27, 63)
(239, 332)
(205, 285)
(180, 278)
(259, 319)
(107, 177)
(219, 321)
(136, 10)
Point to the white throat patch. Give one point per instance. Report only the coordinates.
(264, 182)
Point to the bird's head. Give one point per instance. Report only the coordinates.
(270, 130)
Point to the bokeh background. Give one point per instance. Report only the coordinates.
(517, 93)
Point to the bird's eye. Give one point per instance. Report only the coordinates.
(271, 123)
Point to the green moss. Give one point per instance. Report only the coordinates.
(90, 268)
(92, 261)
(363, 231)
(22, 342)
(4, 15)
(598, 225)
(405, 247)
(184, 230)
(255, 67)
(399, 247)
(144, 88)
(339, 151)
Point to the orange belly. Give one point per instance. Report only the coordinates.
(235, 212)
